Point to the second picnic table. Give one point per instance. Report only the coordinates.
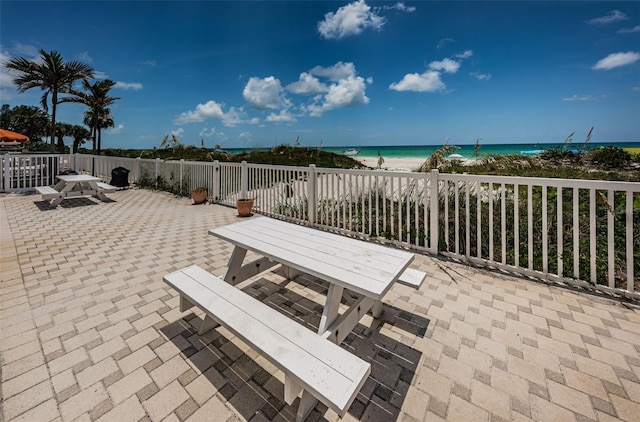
(73, 185)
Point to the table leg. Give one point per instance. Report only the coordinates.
(235, 263)
(330, 311)
(66, 187)
(99, 194)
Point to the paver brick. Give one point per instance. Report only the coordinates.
(495, 347)
(26, 400)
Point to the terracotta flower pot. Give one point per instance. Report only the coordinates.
(244, 207)
(199, 196)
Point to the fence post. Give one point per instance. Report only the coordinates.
(434, 213)
(181, 171)
(244, 180)
(156, 178)
(216, 181)
(135, 177)
(6, 158)
(311, 194)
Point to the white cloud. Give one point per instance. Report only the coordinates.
(151, 63)
(207, 132)
(481, 76)
(84, 57)
(636, 88)
(265, 94)
(136, 86)
(630, 30)
(465, 54)
(236, 116)
(116, 130)
(283, 117)
(576, 97)
(611, 17)
(178, 132)
(400, 6)
(336, 72)
(348, 92)
(447, 65)
(443, 42)
(616, 60)
(100, 75)
(25, 50)
(202, 112)
(428, 81)
(307, 84)
(349, 20)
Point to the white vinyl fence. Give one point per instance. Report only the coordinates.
(577, 231)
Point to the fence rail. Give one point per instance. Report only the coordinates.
(577, 231)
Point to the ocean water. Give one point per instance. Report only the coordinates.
(467, 151)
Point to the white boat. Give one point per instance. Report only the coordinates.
(351, 151)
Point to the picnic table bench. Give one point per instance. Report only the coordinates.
(318, 368)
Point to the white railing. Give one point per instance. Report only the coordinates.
(577, 231)
(22, 172)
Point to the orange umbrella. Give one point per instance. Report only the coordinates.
(8, 136)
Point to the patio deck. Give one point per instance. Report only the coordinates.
(90, 332)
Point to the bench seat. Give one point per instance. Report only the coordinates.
(105, 187)
(318, 368)
(48, 192)
(412, 278)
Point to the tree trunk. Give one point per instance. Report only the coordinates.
(52, 133)
(99, 140)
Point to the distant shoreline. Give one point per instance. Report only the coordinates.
(421, 152)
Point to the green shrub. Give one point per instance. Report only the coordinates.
(610, 157)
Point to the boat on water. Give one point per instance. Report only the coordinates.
(351, 151)
(532, 152)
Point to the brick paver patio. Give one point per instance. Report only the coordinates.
(90, 332)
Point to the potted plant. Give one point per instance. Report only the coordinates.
(199, 195)
(244, 207)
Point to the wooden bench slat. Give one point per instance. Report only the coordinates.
(412, 278)
(105, 187)
(328, 372)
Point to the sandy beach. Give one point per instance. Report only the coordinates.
(393, 164)
(401, 163)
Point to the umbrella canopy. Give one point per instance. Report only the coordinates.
(8, 136)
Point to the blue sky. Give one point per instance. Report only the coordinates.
(261, 73)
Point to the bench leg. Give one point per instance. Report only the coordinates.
(307, 403)
(377, 309)
(206, 324)
(291, 390)
(291, 273)
(185, 304)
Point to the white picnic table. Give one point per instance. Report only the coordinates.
(75, 185)
(365, 268)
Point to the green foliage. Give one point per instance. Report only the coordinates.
(27, 120)
(286, 155)
(52, 75)
(610, 157)
(439, 158)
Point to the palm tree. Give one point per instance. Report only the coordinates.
(80, 135)
(52, 75)
(62, 130)
(96, 97)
